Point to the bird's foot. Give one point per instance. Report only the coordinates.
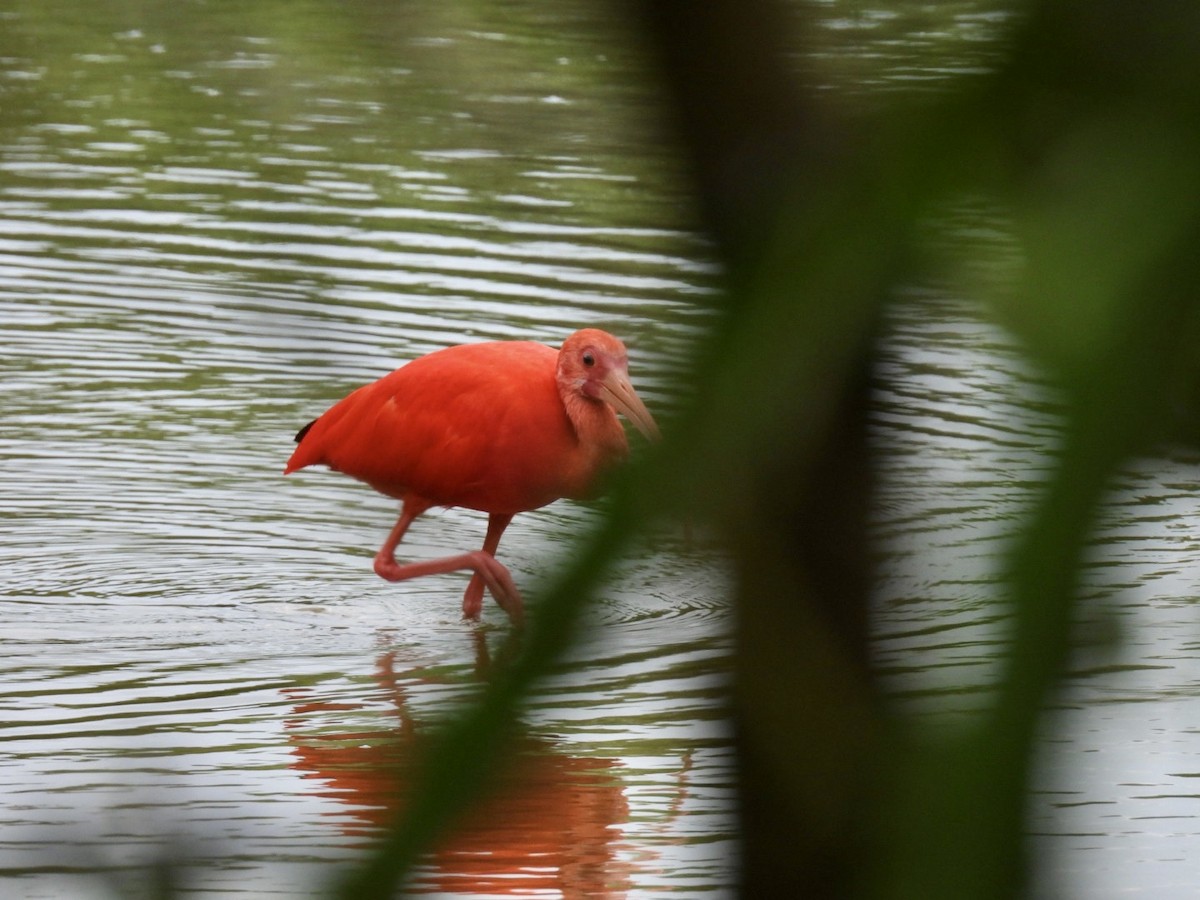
(496, 578)
(488, 573)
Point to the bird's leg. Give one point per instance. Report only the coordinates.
(385, 560)
(473, 598)
(492, 574)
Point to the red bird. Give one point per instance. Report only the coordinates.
(502, 427)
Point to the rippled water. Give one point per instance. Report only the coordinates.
(200, 663)
(967, 432)
(209, 231)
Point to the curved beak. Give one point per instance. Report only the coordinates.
(616, 389)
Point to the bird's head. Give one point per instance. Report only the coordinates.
(596, 364)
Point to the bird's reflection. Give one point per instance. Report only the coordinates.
(551, 821)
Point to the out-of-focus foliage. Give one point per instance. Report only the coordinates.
(1079, 121)
(1084, 130)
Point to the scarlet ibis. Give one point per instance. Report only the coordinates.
(502, 427)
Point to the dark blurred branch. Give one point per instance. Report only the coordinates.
(792, 489)
(744, 126)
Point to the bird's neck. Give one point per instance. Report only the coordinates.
(599, 435)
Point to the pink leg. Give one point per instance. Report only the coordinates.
(487, 570)
(473, 598)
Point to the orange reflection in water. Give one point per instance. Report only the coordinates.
(550, 822)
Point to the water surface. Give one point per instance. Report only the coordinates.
(213, 227)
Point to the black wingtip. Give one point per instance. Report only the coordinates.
(303, 431)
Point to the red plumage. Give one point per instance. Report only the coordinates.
(502, 427)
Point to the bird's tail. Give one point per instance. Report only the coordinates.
(303, 431)
(301, 456)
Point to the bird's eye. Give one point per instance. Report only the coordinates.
(589, 360)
